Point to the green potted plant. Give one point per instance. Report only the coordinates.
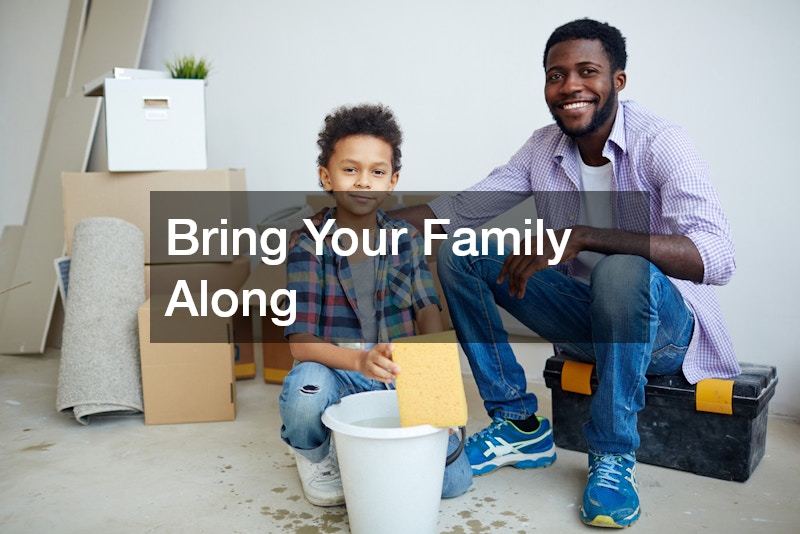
(189, 67)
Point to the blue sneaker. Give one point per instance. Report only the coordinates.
(501, 443)
(610, 498)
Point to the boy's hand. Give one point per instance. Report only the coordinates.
(316, 219)
(376, 363)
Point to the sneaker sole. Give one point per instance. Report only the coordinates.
(325, 501)
(527, 461)
(607, 521)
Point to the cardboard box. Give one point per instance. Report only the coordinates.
(155, 124)
(186, 382)
(275, 352)
(716, 428)
(161, 279)
(181, 194)
(244, 355)
(277, 357)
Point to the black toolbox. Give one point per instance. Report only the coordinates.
(716, 428)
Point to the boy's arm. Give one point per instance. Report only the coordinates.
(375, 363)
(429, 320)
(304, 274)
(428, 314)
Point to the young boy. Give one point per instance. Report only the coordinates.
(350, 308)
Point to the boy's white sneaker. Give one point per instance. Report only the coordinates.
(321, 481)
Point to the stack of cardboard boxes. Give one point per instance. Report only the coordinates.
(157, 165)
(182, 381)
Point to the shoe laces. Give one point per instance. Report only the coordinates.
(328, 467)
(608, 468)
(486, 431)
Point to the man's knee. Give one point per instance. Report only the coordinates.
(620, 286)
(448, 262)
(445, 253)
(621, 272)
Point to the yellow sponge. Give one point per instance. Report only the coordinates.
(430, 389)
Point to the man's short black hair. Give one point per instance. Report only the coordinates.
(375, 120)
(612, 40)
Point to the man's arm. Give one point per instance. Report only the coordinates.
(675, 255)
(416, 216)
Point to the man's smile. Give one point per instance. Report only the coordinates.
(575, 105)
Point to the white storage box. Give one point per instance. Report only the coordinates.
(155, 124)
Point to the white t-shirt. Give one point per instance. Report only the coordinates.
(595, 211)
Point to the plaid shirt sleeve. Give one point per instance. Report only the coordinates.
(423, 288)
(304, 275)
(409, 285)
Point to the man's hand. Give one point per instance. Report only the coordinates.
(518, 268)
(316, 219)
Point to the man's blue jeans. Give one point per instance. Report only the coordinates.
(311, 387)
(630, 320)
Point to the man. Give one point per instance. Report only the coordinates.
(647, 240)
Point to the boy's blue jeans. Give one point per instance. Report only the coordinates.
(311, 387)
(631, 321)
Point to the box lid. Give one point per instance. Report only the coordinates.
(750, 393)
(96, 87)
(149, 199)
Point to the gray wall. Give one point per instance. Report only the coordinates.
(465, 79)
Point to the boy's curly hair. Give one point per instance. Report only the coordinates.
(376, 120)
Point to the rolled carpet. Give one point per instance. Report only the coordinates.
(100, 372)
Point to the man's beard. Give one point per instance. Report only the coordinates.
(600, 116)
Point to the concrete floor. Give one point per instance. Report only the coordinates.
(117, 475)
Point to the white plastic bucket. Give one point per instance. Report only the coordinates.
(392, 476)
